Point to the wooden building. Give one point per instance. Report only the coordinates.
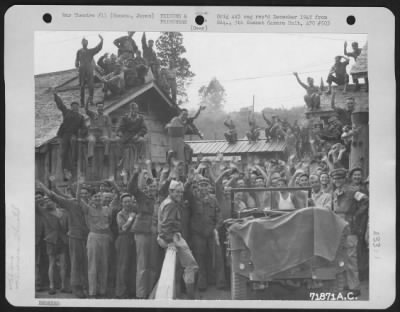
(244, 150)
(155, 105)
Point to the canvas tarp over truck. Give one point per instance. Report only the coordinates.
(280, 243)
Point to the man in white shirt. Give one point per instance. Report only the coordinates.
(319, 198)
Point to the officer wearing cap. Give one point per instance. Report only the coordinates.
(348, 203)
(169, 235)
(205, 220)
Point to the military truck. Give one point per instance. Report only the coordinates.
(286, 254)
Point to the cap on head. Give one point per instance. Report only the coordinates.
(39, 192)
(124, 195)
(175, 185)
(339, 173)
(134, 106)
(354, 169)
(203, 181)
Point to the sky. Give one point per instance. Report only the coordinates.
(246, 64)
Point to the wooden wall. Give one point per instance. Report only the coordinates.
(48, 157)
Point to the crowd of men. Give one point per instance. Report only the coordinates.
(108, 240)
(126, 70)
(111, 237)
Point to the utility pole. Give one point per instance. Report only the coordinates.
(253, 102)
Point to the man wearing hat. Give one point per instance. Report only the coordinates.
(205, 221)
(349, 203)
(85, 63)
(169, 234)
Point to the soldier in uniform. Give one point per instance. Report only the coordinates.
(254, 131)
(99, 129)
(349, 203)
(126, 46)
(170, 235)
(312, 98)
(338, 74)
(150, 56)
(131, 129)
(146, 197)
(85, 63)
(231, 134)
(204, 224)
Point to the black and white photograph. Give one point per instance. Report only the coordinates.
(201, 166)
(200, 157)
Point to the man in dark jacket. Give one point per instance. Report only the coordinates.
(131, 130)
(150, 56)
(146, 197)
(204, 224)
(349, 203)
(169, 235)
(72, 126)
(85, 63)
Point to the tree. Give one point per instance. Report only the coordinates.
(213, 95)
(170, 48)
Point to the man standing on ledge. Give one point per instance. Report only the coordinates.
(73, 123)
(132, 129)
(85, 63)
(99, 129)
(170, 229)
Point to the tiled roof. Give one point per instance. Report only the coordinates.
(47, 116)
(361, 65)
(206, 147)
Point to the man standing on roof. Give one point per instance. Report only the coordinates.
(86, 65)
(338, 74)
(99, 130)
(127, 47)
(170, 75)
(72, 125)
(150, 56)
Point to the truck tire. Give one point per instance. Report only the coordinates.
(239, 289)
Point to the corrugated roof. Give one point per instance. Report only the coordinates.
(361, 64)
(207, 147)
